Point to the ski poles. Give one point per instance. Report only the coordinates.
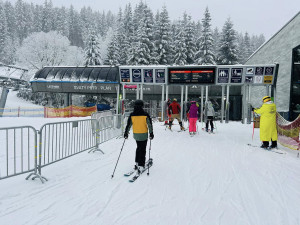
(119, 158)
(253, 126)
(149, 157)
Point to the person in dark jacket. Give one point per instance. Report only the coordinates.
(174, 111)
(141, 123)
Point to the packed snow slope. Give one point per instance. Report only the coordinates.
(206, 179)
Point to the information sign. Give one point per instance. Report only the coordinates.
(148, 75)
(269, 71)
(223, 75)
(192, 75)
(125, 75)
(236, 75)
(259, 71)
(248, 79)
(249, 71)
(258, 79)
(268, 79)
(136, 75)
(160, 76)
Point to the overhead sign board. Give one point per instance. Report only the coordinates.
(191, 75)
(143, 75)
(246, 74)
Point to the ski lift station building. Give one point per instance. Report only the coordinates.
(282, 48)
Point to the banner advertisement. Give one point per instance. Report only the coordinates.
(70, 111)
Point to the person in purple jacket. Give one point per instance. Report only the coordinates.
(193, 117)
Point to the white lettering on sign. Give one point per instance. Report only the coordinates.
(53, 86)
(92, 88)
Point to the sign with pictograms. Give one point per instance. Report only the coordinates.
(148, 75)
(236, 75)
(125, 75)
(258, 79)
(223, 75)
(160, 75)
(248, 79)
(269, 71)
(136, 75)
(249, 70)
(268, 79)
(259, 71)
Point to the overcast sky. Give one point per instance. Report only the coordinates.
(255, 16)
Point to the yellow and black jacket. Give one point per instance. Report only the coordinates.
(141, 123)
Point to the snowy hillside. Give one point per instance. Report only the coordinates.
(205, 179)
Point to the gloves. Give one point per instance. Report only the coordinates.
(151, 135)
(125, 135)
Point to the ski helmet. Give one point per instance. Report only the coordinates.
(266, 99)
(139, 103)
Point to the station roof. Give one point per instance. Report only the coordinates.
(91, 74)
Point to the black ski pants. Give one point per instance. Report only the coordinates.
(210, 120)
(140, 154)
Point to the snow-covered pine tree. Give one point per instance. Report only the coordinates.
(180, 56)
(47, 16)
(75, 30)
(163, 40)
(62, 24)
(205, 55)
(113, 57)
(228, 47)
(247, 47)
(216, 38)
(92, 51)
(189, 38)
(128, 30)
(241, 47)
(3, 32)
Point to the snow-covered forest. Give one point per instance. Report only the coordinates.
(36, 35)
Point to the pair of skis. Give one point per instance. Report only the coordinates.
(209, 131)
(268, 149)
(148, 164)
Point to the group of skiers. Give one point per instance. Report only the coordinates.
(142, 125)
(193, 112)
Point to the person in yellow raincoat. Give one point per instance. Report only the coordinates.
(268, 130)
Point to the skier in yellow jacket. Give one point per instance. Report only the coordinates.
(268, 130)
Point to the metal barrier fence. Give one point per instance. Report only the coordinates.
(18, 152)
(64, 139)
(108, 127)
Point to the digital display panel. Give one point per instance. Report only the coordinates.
(192, 75)
(125, 75)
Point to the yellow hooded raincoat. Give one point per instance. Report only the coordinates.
(268, 128)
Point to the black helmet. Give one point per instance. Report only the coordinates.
(139, 103)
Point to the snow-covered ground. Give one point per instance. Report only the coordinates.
(206, 179)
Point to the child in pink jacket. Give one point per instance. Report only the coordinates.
(193, 117)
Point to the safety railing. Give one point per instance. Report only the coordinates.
(18, 152)
(107, 128)
(64, 139)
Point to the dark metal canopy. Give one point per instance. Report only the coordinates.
(78, 74)
(96, 79)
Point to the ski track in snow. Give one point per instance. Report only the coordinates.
(206, 179)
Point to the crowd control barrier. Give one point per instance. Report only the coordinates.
(25, 149)
(18, 151)
(107, 128)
